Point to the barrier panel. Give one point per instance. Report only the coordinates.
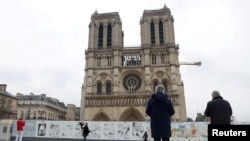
(5, 129)
(42, 130)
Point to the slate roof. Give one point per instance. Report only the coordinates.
(42, 98)
(5, 93)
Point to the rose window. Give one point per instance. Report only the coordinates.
(132, 82)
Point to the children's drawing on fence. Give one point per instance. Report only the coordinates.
(138, 130)
(201, 128)
(109, 130)
(54, 130)
(189, 131)
(67, 129)
(77, 129)
(124, 130)
(96, 130)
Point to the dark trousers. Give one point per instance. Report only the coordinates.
(84, 138)
(161, 139)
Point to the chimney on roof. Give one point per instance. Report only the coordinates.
(43, 95)
(3, 87)
(71, 105)
(19, 94)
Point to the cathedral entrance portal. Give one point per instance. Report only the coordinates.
(132, 114)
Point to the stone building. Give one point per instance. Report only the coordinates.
(8, 104)
(72, 113)
(40, 107)
(200, 117)
(119, 80)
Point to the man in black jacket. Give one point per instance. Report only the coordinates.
(219, 110)
(86, 131)
(160, 109)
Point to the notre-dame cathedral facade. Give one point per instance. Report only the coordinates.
(119, 80)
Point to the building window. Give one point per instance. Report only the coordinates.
(132, 82)
(99, 88)
(152, 33)
(109, 60)
(34, 117)
(22, 114)
(162, 58)
(108, 88)
(131, 59)
(155, 84)
(5, 129)
(153, 58)
(161, 35)
(98, 61)
(100, 37)
(165, 83)
(109, 36)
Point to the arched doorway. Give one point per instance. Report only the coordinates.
(101, 117)
(132, 114)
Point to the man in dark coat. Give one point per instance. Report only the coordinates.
(86, 131)
(160, 109)
(219, 110)
(145, 136)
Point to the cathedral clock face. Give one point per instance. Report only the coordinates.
(132, 82)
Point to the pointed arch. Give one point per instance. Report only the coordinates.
(108, 87)
(99, 88)
(165, 83)
(161, 34)
(132, 114)
(153, 58)
(102, 76)
(109, 36)
(152, 32)
(162, 57)
(101, 117)
(100, 37)
(109, 61)
(155, 83)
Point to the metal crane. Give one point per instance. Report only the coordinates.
(188, 63)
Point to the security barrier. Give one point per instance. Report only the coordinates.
(5, 129)
(63, 130)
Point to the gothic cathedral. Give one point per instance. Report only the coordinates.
(119, 80)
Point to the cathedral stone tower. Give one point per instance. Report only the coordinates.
(119, 80)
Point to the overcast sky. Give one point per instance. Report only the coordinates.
(42, 44)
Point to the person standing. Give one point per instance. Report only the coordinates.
(86, 131)
(218, 109)
(145, 136)
(160, 109)
(20, 127)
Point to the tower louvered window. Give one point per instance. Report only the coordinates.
(109, 36)
(161, 35)
(100, 37)
(152, 33)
